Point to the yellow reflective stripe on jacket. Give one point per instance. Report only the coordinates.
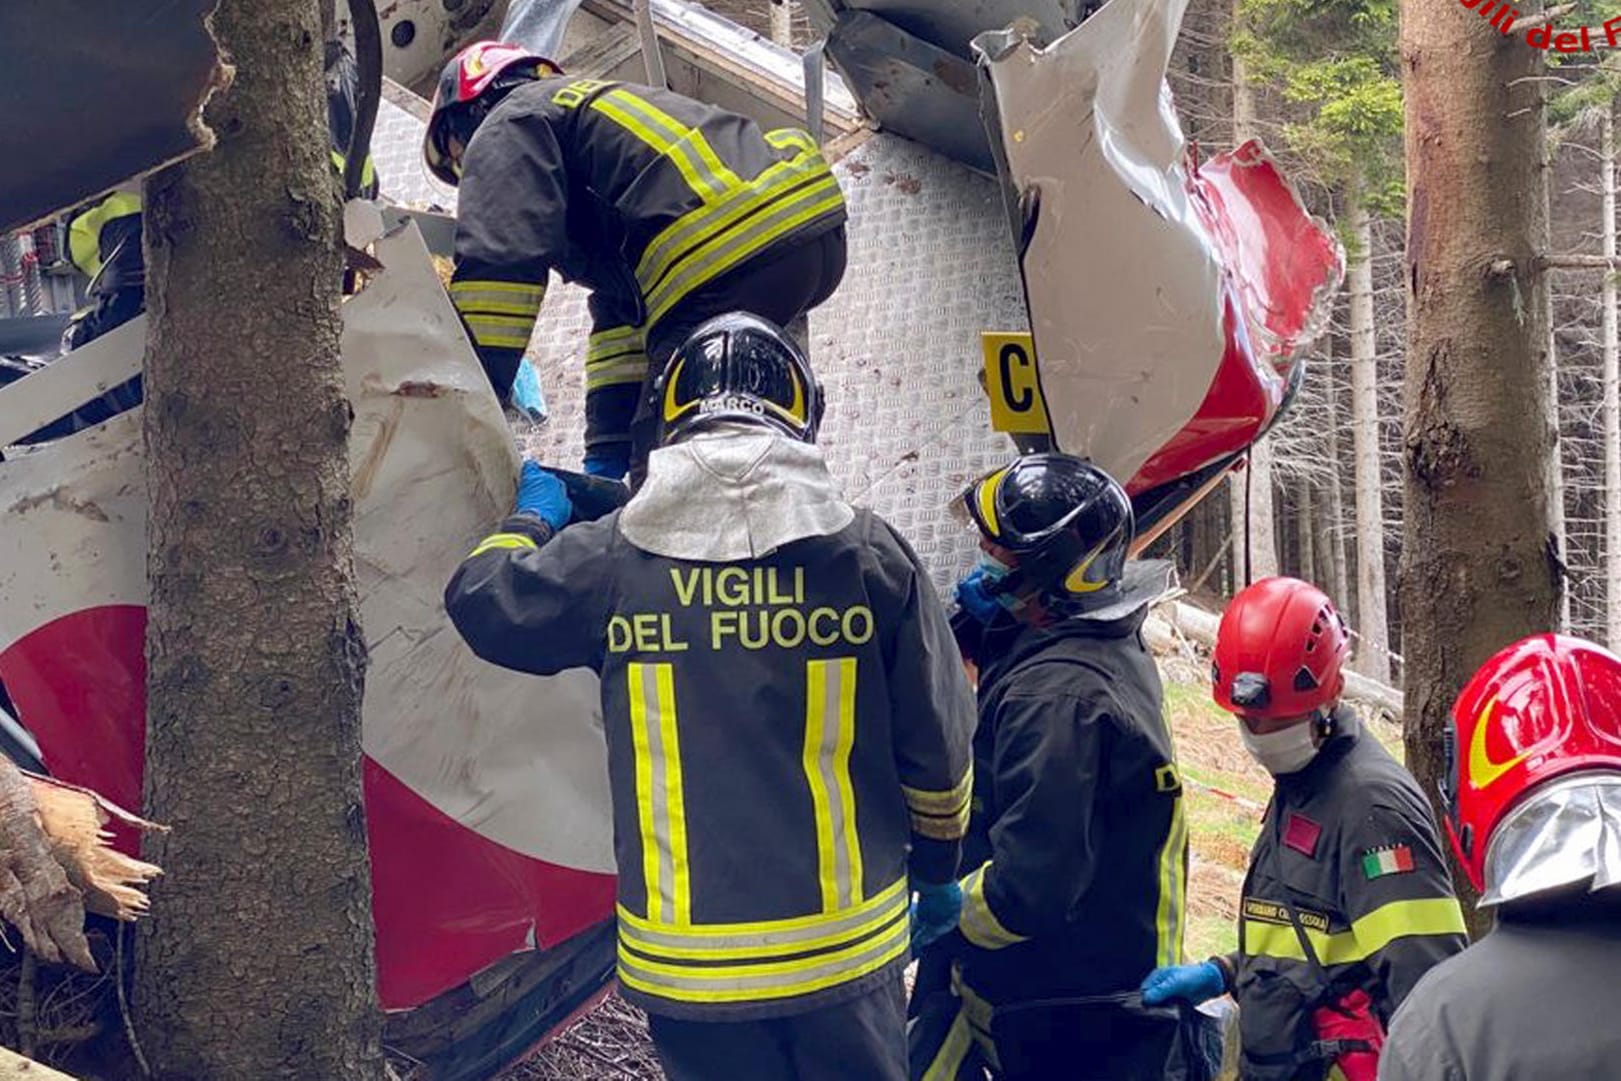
(941, 815)
(830, 733)
(721, 253)
(84, 231)
(1367, 936)
(497, 298)
(660, 807)
(767, 980)
(782, 138)
(806, 175)
(500, 331)
(502, 540)
(767, 940)
(1169, 912)
(979, 924)
(608, 343)
(615, 357)
(686, 147)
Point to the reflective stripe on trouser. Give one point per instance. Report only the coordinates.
(951, 1037)
(752, 962)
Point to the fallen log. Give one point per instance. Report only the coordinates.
(1200, 626)
(13, 1067)
(55, 864)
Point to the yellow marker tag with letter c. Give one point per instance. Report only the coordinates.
(1012, 383)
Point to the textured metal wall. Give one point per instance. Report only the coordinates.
(897, 347)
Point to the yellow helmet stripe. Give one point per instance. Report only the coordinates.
(987, 502)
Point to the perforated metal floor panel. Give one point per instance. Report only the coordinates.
(896, 347)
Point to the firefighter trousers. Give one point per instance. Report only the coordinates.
(777, 285)
(862, 1038)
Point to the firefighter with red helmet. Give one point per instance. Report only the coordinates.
(669, 210)
(787, 724)
(1347, 902)
(1077, 847)
(1533, 807)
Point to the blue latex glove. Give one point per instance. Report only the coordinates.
(526, 395)
(935, 912)
(542, 493)
(974, 598)
(612, 462)
(1188, 983)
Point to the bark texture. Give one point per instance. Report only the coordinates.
(1373, 620)
(1333, 515)
(1612, 400)
(1479, 568)
(261, 963)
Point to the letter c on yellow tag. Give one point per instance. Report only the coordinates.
(1012, 384)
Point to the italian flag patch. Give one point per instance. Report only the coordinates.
(1387, 861)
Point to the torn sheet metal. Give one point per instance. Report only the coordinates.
(486, 790)
(64, 63)
(909, 61)
(1166, 305)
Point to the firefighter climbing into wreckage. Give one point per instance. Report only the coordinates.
(670, 210)
(105, 239)
(1077, 850)
(1533, 807)
(788, 724)
(1347, 901)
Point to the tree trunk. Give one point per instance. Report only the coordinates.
(1254, 533)
(1334, 515)
(1306, 529)
(1373, 623)
(782, 22)
(261, 964)
(1478, 566)
(1612, 399)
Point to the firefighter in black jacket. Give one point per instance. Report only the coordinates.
(1077, 848)
(1347, 901)
(1533, 807)
(669, 210)
(104, 242)
(788, 725)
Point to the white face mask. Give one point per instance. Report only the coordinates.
(1287, 750)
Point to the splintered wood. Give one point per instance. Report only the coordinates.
(56, 864)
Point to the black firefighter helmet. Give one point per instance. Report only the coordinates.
(738, 367)
(1069, 523)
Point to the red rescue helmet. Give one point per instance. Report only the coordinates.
(1544, 707)
(1280, 651)
(468, 90)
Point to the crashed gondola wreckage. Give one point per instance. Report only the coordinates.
(486, 791)
(1169, 299)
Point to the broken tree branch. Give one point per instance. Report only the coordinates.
(55, 863)
(1543, 18)
(1579, 261)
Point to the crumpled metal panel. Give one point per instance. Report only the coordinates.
(64, 63)
(1167, 304)
(909, 62)
(486, 790)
